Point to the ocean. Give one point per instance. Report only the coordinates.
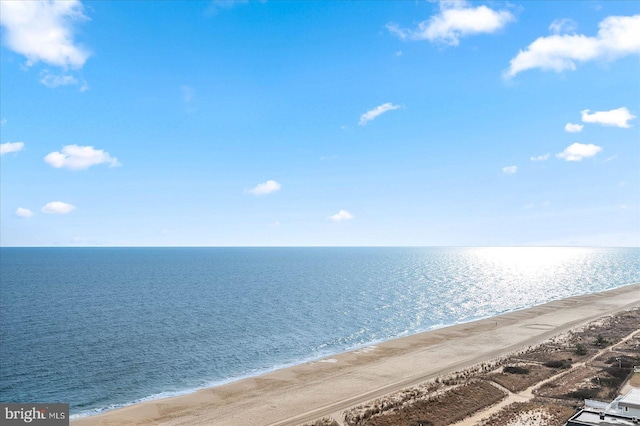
(101, 328)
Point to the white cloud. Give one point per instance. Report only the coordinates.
(578, 151)
(8, 147)
(217, 5)
(187, 93)
(617, 36)
(53, 81)
(573, 128)
(266, 188)
(379, 110)
(42, 31)
(341, 215)
(543, 157)
(3, 122)
(616, 117)
(24, 213)
(76, 157)
(455, 20)
(564, 25)
(510, 169)
(397, 31)
(58, 207)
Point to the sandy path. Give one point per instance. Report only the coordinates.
(303, 393)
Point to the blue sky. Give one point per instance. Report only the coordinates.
(320, 123)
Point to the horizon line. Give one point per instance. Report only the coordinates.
(321, 246)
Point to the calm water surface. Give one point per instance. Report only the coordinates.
(105, 327)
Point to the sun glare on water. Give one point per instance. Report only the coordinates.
(528, 260)
(513, 276)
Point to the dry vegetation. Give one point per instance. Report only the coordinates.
(517, 382)
(535, 412)
(599, 379)
(435, 411)
(323, 422)
(567, 363)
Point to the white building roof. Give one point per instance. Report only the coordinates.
(590, 418)
(631, 399)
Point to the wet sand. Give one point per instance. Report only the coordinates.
(308, 391)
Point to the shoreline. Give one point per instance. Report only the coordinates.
(307, 391)
(328, 358)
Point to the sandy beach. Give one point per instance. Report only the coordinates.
(306, 392)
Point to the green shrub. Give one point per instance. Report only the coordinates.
(622, 361)
(558, 364)
(580, 350)
(512, 369)
(601, 341)
(584, 393)
(620, 373)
